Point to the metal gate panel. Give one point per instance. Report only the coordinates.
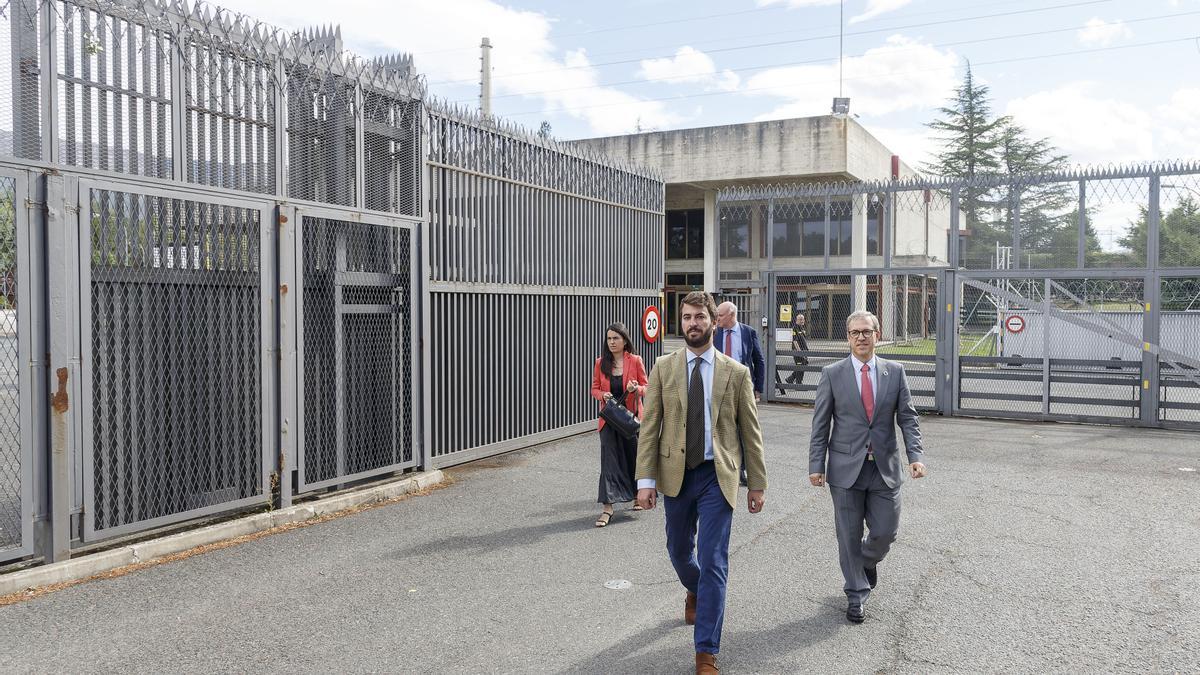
(1179, 359)
(356, 346)
(1037, 329)
(1100, 320)
(993, 378)
(17, 412)
(177, 346)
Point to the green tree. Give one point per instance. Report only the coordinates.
(1179, 236)
(1049, 226)
(969, 137)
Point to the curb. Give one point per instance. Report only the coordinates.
(97, 563)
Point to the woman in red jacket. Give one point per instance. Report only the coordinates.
(619, 374)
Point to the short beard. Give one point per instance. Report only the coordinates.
(701, 341)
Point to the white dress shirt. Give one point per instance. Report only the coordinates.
(706, 362)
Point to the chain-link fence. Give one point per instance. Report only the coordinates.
(1179, 375)
(14, 453)
(1062, 295)
(819, 226)
(808, 328)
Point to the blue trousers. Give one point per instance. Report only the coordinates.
(698, 524)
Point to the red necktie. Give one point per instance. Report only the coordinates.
(868, 399)
(728, 342)
(868, 393)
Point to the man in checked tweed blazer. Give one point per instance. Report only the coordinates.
(699, 415)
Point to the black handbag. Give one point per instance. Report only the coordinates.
(619, 417)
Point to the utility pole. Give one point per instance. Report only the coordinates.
(485, 78)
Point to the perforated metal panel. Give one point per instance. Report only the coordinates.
(173, 358)
(356, 354)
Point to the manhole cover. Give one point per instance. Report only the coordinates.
(618, 584)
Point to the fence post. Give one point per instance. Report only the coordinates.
(62, 243)
(953, 246)
(1014, 201)
(1047, 306)
(360, 162)
(1081, 248)
(886, 243)
(290, 400)
(769, 388)
(179, 139)
(1152, 292)
(422, 274)
(48, 64)
(944, 325)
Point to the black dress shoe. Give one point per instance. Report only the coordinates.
(872, 575)
(855, 613)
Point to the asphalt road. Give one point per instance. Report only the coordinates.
(1030, 548)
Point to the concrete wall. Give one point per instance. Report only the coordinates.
(738, 152)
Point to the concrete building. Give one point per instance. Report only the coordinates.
(726, 250)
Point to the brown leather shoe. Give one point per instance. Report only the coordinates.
(706, 664)
(689, 609)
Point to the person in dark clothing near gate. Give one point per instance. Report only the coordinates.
(799, 344)
(619, 375)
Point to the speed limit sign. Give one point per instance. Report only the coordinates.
(651, 324)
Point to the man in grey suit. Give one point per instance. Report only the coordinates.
(865, 397)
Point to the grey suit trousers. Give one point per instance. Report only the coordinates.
(872, 502)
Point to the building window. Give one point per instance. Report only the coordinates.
(814, 236)
(874, 228)
(685, 234)
(787, 238)
(735, 234)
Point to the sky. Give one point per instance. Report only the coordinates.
(1106, 81)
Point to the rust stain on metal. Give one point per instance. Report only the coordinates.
(283, 289)
(59, 400)
(283, 219)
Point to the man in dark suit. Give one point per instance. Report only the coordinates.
(739, 342)
(864, 397)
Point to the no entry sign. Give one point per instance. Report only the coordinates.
(1015, 323)
(651, 324)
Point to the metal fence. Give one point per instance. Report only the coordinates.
(263, 267)
(1065, 296)
(533, 250)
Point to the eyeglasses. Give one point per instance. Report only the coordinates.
(861, 333)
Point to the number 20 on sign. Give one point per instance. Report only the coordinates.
(651, 324)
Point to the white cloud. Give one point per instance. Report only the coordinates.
(1179, 125)
(902, 74)
(915, 146)
(878, 7)
(1090, 128)
(1097, 32)
(689, 65)
(444, 37)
